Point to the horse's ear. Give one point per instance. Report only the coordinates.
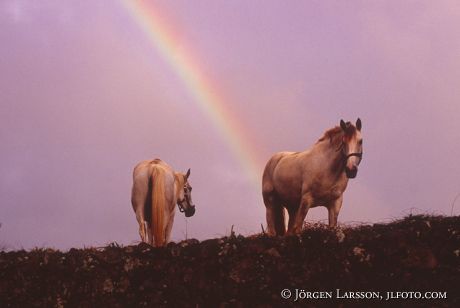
(187, 174)
(343, 125)
(358, 124)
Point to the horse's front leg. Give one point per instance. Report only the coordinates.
(333, 210)
(305, 204)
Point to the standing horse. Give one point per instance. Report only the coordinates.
(156, 190)
(318, 176)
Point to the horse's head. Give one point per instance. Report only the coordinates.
(184, 198)
(352, 147)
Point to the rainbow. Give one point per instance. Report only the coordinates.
(201, 88)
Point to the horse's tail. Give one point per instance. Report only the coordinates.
(158, 205)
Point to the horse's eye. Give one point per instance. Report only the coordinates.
(360, 142)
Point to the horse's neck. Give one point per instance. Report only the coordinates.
(178, 182)
(331, 152)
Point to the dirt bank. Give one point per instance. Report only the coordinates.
(416, 254)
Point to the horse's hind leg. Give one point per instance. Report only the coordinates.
(143, 227)
(280, 226)
(138, 201)
(147, 232)
(169, 227)
(275, 220)
(274, 215)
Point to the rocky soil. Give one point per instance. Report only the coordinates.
(415, 254)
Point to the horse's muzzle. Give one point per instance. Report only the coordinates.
(189, 212)
(351, 173)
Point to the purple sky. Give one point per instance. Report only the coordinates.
(84, 96)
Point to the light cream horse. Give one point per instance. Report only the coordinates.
(156, 191)
(318, 176)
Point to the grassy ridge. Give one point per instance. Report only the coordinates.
(417, 253)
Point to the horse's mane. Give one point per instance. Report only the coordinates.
(336, 131)
(330, 134)
(180, 182)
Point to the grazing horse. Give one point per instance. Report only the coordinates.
(156, 191)
(318, 176)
